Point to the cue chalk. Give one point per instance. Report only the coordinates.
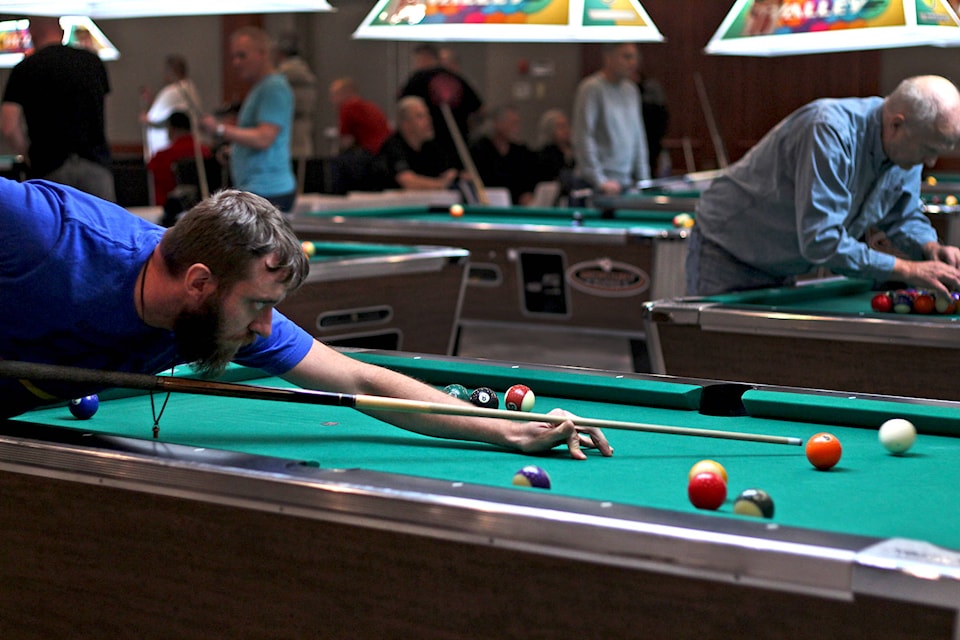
(35, 371)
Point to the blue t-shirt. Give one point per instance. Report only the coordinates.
(266, 172)
(69, 264)
(808, 191)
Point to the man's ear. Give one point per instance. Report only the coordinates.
(199, 282)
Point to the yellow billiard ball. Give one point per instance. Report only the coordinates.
(950, 200)
(309, 248)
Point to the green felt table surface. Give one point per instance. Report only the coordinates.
(331, 251)
(870, 492)
(527, 216)
(844, 296)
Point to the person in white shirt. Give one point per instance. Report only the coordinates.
(178, 94)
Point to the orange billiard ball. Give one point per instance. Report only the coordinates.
(824, 451)
(456, 210)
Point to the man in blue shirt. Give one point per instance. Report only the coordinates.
(806, 194)
(85, 283)
(260, 140)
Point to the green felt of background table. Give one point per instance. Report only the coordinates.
(326, 251)
(840, 296)
(870, 492)
(533, 216)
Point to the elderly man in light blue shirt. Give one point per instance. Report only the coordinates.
(806, 194)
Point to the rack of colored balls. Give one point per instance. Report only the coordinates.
(915, 301)
(519, 397)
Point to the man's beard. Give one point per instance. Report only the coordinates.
(197, 335)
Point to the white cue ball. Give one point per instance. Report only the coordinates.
(897, 435)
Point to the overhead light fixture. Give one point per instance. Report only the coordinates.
(158, 8)
(794, 27)
(78, 31)
(509, 21)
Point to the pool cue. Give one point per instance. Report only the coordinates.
(711, 123)
(145, 137)
(193, 111)
(464, 154)
(34, 372)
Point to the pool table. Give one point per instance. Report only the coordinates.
(674, 193)
(383, 296)
(533, 266)
(821, 334)
(681, 196)
(265, 519)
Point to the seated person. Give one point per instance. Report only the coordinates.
(360, 121)
(410, 158)
(181, 148)
(555, 154)
(501, 158)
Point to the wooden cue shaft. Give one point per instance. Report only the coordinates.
(464, 153)
(194, 114)
(718, 147)
(35, 371)
(395, 404)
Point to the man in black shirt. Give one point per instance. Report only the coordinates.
(411, 158)
(438, 85)
(59, 92)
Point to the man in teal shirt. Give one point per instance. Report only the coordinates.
(260, 140)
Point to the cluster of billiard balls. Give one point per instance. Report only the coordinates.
(707, 479)
(519, 397)
(707, 489)
(914, 301)
(683, 221)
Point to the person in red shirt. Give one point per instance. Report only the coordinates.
(362, 123)
(181, 147)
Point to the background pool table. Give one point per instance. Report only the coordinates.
(822, 334)
(533, 267)
(265, 519)
(383, 296)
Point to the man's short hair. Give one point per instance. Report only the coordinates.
(179, 120)
(228, 232)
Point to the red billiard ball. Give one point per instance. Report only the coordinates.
(924, 303)
(882, 303)
(824, 451)
(84, 408)
(707, 490)
(519, 397)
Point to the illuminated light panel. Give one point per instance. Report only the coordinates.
(509, 21)
(15, 40)
(794, 27)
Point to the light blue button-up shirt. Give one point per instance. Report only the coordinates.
(808, 191)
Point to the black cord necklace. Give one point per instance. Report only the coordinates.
(143, 311)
